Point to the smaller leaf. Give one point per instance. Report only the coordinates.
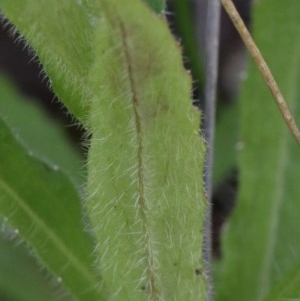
(43, 138)
(21, 277)
(39, 200)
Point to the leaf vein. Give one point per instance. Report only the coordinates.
(51, 235)
(142, 206)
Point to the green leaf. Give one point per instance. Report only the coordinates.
(226, 142)
(288, 288)
(30, 125)
(60, 32)
(146, 155)
(156, 5)
(261, 245)
(21, 277)
(146, 161)
(41, 203)
(183, 15)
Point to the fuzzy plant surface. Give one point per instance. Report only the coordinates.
(152, 204)
(119, 71)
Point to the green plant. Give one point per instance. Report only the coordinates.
(127, 224)
(144, 154)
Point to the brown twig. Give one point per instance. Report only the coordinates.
(262, 66)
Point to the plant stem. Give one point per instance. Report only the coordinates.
(212, 28)
(263, 67)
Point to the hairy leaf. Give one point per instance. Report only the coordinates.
(60, 33)
(145, 163)
(262, 249)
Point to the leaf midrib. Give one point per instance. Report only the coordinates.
(153, 292)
